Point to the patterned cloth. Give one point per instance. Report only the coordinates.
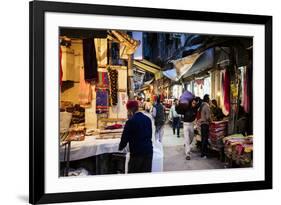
(113, 75)
(101, 101)
(103, 81)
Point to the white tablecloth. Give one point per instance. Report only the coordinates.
(92, 147)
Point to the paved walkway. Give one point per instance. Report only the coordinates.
(174, 156)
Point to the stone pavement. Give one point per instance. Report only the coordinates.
(174, 156)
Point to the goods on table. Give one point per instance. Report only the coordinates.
(239, 148)
(72, 136)
(105, 133)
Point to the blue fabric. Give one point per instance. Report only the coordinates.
(138, 133)
(101, 101)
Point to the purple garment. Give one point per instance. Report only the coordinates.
(90, 60)
(186, 97)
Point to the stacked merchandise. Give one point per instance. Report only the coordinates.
(78, 115)
(78, 112)
(218, 130)
(239, 149)
(74, 133)
(72, 127)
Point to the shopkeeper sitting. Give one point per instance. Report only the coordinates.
(138, 133)
(216, 111)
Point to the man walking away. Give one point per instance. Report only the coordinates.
(205, 122)
(175, 118)
(159, 119)
(138, 133)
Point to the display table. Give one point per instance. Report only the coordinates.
(93, 147)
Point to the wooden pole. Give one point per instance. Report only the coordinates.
(130, 77)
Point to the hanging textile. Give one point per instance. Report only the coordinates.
(61, 73)
(103, 81)
(242, 98)
(85, 91)
(226, 92)
(101, 51)
(246, 96)
(90, 60)
(122, 78)
(101, 100)
(113, 78)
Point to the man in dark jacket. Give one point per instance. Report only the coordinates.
(138, 133)
(158, 114)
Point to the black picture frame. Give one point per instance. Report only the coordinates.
(37, 192)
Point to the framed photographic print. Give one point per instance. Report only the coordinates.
(130, 102)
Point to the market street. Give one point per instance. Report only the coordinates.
(174, 157)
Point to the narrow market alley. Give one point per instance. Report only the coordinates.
(174, 156)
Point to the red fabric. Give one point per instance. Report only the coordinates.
(132, 104)
(226, 90)
(61, 73)
(114, 127)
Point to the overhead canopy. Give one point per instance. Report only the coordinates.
(146, 65)
(204, 62)
(190, 65)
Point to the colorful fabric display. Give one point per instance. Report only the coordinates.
(90, 60)
(101, 100)
(113, 76)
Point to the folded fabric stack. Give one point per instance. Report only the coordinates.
(218, 130)
(78, 115)
(114, 127)
(78, 112)
(239, 148)
(76, 136)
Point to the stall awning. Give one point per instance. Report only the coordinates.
(190, 65)
(204, 62)
(149, 67)
(181, 66)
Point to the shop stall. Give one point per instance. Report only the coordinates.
(93, 97)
